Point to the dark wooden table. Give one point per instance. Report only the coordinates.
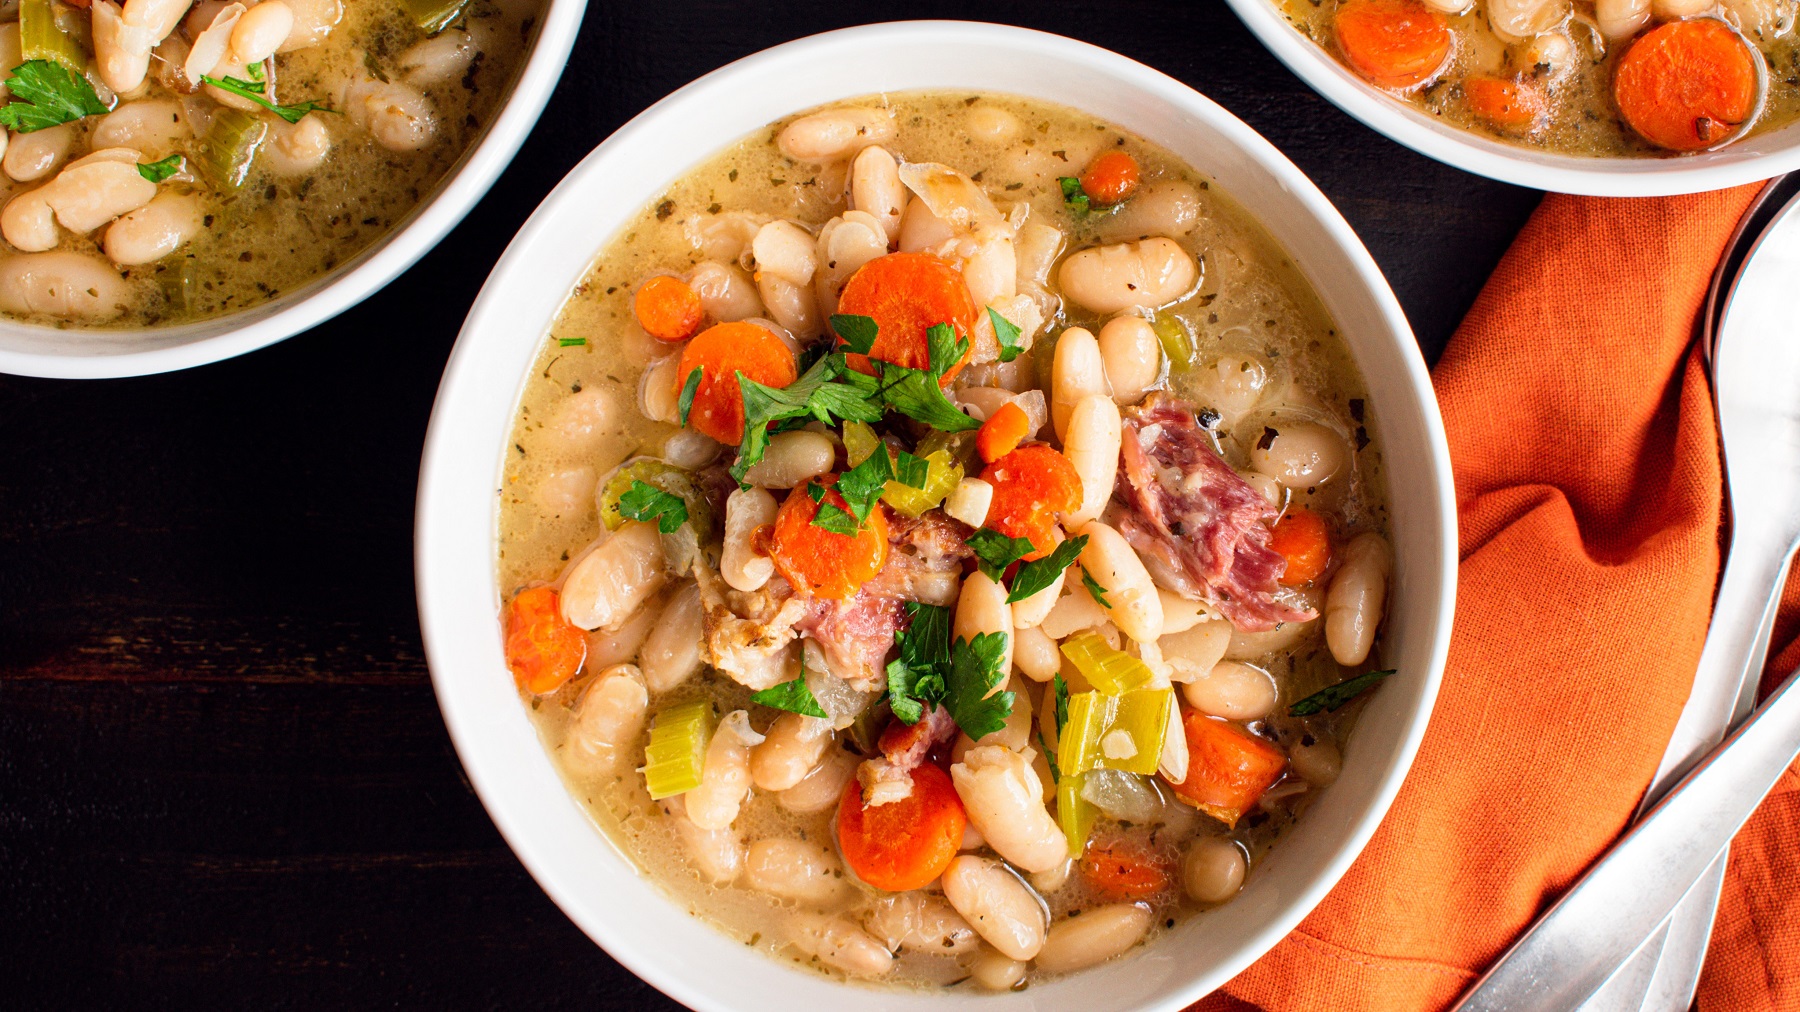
(223, 777)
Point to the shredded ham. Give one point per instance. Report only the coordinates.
(888, 777)
(1196, 523)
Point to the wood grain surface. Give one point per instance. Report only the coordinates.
(224, 781)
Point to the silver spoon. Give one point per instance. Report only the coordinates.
(1579, 944)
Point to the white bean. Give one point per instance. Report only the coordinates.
(845, 244)
(70, 286)
(566, 490)
(313, 22)
(209, 25)
(438, 60)
(1035, 654)
(739, 562)
(1301, 455)
(921, 229)
(1192, 652)
(1004, 799)
(1170, 207)
(1233, 690)
(1134, 275)
(785, 250)
(1318, 764)
(1002, 910)
(1358, 595)
(604, 587)
(1213, 869)
(671, 653)
(608, 719)
(875, 187)
(794, 307)
(1036, 249)
(834, 133)
(155, 230)
(607, 647)
(990, 124)
(1182, 613)
(1449, 6)
(982, 608)
(995, 971)
(396, 114)
(796, 870)
(1134, 605)
(689, 450)
(1096, 936)
(297, 149)
(1091, 445)
(1132, 356)
(724, 774)
(1618, 19)
(260, 32)
(1265, 486)
(841, 945)
(1075, 611)
(717, 854)
(921, 922)
(969, 501)
(792, 459)
(37, 154)
(98, 188)
(1046, 882)
(659, 390)
(790, 750)
(1670, 10)
(1514, 20)
(1033, 610)
(726, 292)
(155, 127)
(1015, 733)
(1076, 372)
(123, 38)
(581, 421)
(992, 270)
(823, 787)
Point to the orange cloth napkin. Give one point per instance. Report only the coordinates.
(1588, 489)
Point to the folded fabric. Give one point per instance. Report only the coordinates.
(1588, 489)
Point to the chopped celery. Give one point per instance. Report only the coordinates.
(677, 751)
(1115, 732)
(860, 442)
(1113, 672)
(1074, 813)
(658, 474)
(42, 36)
(942, 475)
(435, 15)
(230, 146)
(1177, 343)
(960, 444)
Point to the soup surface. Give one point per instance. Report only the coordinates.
(170, 161)
(927, 534)
(1606, 78)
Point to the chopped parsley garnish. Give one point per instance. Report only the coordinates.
(644, 501)
(255, 92)
(1094, 588)
(862, 485)
(995, 551)
(1335, 696)
(685, 403)
(1040, 573)
(46, 94)
(1049, 757)
(1074, 196)
(911, 471)
(828, 391)
(1062, 702)
(915, 678)
(975, 672)
(160, 169)
(571, 342)
(793, 697)
(1006, 334)
(832, 518)
(858, 332)
(957, 676)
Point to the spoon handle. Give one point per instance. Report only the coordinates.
(1621, 900)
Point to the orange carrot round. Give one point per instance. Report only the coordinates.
(1228, 768)
(668, 309)
(720, 353)
(1687, 85)
(542, 648)
(1033, 486)
(1393, 43)
(907, 294)
(1508, 106)
(1110, 178)
(1301, 538)
(1126, 869)
(1002, 433)
(904, 844)
(820, 562)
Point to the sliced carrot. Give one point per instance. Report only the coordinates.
(1687, 85)
(1304, 541)
(903, 844)
(1002, 434)
(907, 294)
(820, 562)
(1126, 868)
(1393, 43)
(1033, 486)
(720, 353)
(1110, 178)
(1508, 106)
(542, 648)
(1228, 768)
(668, 309)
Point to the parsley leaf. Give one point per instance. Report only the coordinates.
(45, 94)
(827, 391)
(830, 517)
(1062, 702)
(975, 672)
(254, 92)
(793, 697)
(995, 551)
(1040, 573)
(162, 169)
(644, 501)
(916, 394)
(1006, 334)
(1335, 696)
(911, 471)
(862, 485)
(915, 677)
(685, 403)
(1094, 588)
(1074, 197)
(858, 332)
(943, 348)
(1049, 757)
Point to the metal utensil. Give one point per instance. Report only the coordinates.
(1580, 943)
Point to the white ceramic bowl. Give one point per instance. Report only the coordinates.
(1762, 156)
(71, 353)
(465, 449)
